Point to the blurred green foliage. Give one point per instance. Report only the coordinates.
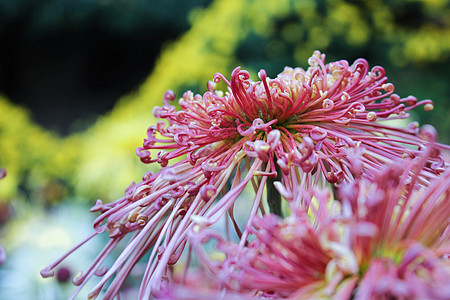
(36, 160)
(410, 39)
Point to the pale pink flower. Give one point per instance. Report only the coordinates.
(283, 256)
(303, 127)
(387, 237)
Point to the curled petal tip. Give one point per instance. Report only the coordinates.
(283, 191)
(388, 87)
(157, 112)
(207, 192)
(78, 278)
(101, 271)
(100, 228)
(318, 134)
(328, 105)
(428, 107)
(169, 95)
(98, 206)
(262, 74)
(371, 116)
(93, 295)
(428, 133)
(47, 272)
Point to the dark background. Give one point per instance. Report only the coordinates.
(69, 61)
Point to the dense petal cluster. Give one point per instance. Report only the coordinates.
(303, 128)
(281, 257)
(302, 118)
(384, 238)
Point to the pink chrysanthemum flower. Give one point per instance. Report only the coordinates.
(384, 238)
(305, 125)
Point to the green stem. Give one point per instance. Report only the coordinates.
(273, 196)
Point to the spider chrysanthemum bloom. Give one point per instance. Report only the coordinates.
(304, 126)
(384, 238)
(280, 256)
